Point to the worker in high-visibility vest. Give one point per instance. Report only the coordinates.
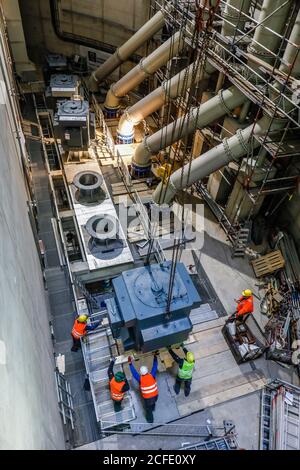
(118, 385)
(148, 386)
(244, 304)
(80, 329)
(185, 370)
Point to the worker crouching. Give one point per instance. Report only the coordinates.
(118, 385)
(185, 370)
(148, 386)
(244, 305)
(80, 329)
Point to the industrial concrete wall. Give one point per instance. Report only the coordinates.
(29, 416)
(109, 21)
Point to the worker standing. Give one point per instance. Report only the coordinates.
(185, 370)
(80, 329)
(244, 305)
(148, 386)
(118, 385)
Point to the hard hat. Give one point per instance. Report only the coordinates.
(144, 370)
(247, 293)
(82, 318)
(120, 377)
(190, 357)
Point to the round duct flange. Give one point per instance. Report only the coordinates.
(103, 228)
(89, 187)
(74, 108)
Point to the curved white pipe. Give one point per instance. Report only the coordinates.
(229, 150)
(146, 67)
(168, 90)
(146, 32)
(233, 13)
(208, 112)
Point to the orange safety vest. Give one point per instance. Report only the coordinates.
(79, 330)
(148, 386)
(115, 390)
(244, 306)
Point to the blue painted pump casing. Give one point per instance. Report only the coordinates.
(137, 314)
(111, 113)
(125, 139)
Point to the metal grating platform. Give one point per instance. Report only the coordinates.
(98, 348)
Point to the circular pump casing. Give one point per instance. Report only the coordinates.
(89, 187)
(74, 108)
(103, 228)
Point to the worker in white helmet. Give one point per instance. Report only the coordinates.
(148, 385)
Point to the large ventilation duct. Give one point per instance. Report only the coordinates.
(229, 150)
(138, 74)
(208, 112)
(291, 57)
(146, 32)
(272, 18)
(234, 16)
(235, 147)
(171, 133)
(174, 87)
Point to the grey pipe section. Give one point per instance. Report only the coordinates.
(263, 38)
(168, 90)
(208, 112)
(229, 150)
(146, 32)
(146, 67)
(233, 16)
(292, 54)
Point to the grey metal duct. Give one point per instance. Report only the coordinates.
(291, 55)
(146, 67)
(229, 150)
(216, 107)
(272, 18)
(234, 17)
(146, 32)
(155, 100)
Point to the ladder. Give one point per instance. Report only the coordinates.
(86, 293)
(98, 348)
(65, 399)
(241, 241)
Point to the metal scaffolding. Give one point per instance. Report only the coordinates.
(267, 80)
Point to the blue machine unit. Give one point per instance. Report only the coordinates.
(137, 314)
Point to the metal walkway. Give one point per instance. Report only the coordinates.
(98, 348)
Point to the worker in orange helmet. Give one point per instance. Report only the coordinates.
(80, 329)
(244, 305)
(148, 385)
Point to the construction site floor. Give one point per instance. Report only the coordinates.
(221, 389)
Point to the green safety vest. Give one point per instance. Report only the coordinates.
(186, 371)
